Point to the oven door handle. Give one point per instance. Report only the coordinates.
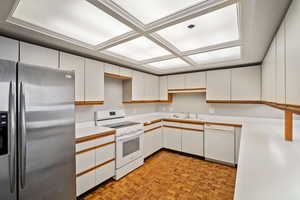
(128, 137)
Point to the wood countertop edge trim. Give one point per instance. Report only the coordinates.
(182, 128)
(152, 122)
(93, 168)
(95, 147)
(184, 121)
(88, 103)
(95, 136)
(152, 129)
(187, 89)
(224, 124)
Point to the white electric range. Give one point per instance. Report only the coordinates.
(129, 140)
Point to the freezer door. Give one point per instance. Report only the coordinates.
(8, 130)
(46, 134)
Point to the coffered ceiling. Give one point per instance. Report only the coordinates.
(159, 36)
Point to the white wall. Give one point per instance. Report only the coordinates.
(196, 103)
(113, 95)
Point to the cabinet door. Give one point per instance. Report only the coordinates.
(138, 86)
(219, 145)
(112, 69)
(218, 85)
(280, 64)
(85, 182)
(154, 88)
(269, 75)
(37, 55)
(105, 172)
(176, 81)
(157, 139)
(245, 83)
(9, 49)
(195, 80)
(192, 142)
(148, 146)
(94, 80)
(75, 63)
(172, 138)
(85, 161)
(292, 54)
(125, 72)
(163, 88)
(148, 87)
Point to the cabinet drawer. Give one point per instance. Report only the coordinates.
(85, 161)
(85, 182)
(105, 172)
(105, 153)
(95, 142)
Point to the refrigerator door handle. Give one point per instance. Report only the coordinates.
(23, 145)
(12, 136)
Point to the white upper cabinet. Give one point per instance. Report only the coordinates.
(94, 80)
(112, 69)
(37, 55)
(218, 85)
(269, 75)
(163, 88)
(76, 63)
(195, 80)
(9, 49)
(292, 54)
(138, 86)
(176, 81)
(280, 64)
(246, 83)
(125, 72)
(151, 87)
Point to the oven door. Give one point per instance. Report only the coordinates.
(129, 147)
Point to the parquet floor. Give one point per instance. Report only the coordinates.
(170, 176)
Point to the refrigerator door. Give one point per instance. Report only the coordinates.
(46, 134)
(8, 130)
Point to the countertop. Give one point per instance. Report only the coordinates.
(88, 129)
(269, 166)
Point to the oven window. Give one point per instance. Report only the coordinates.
(131, 146)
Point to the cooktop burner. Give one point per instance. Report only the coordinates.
(121, 124)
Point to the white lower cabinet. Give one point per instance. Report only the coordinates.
(85, 182)
(172, 138)
(105, 153)
(94, 162)
(220, 144)
(105, 172)
(192, 142)
(152, 142)
(85, 161)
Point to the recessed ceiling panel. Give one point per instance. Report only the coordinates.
(221, 55)
(148, 11)
(210, 29)
(77, 19)
(139, 49)
(168, 64)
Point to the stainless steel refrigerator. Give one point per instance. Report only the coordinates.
(37, 133)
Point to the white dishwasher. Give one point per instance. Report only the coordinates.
(219, 143)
